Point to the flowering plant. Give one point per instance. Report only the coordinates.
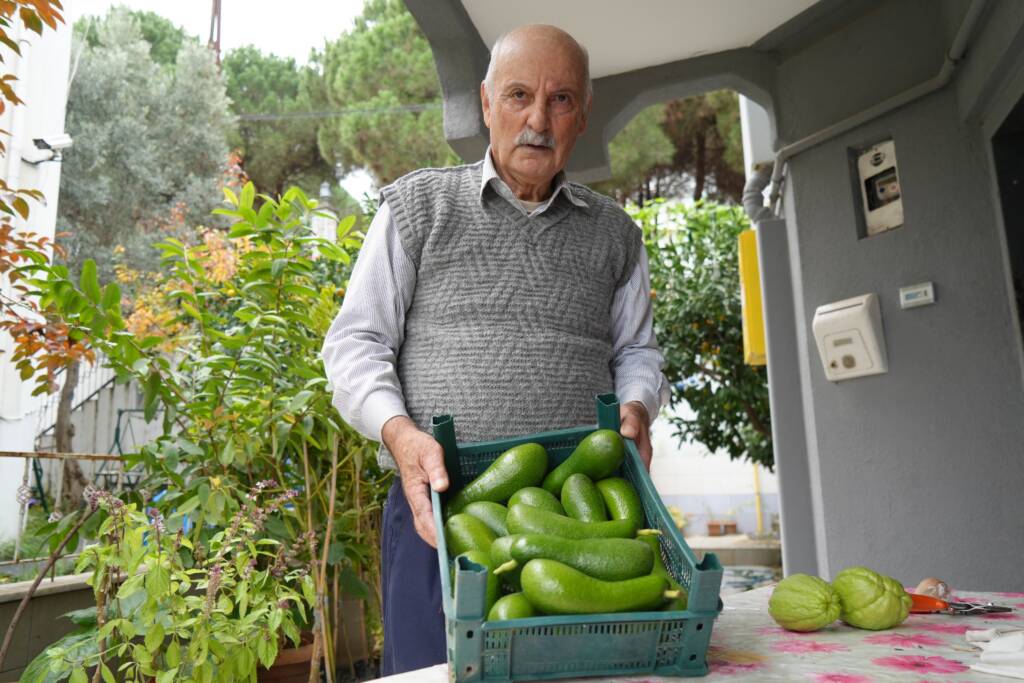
(208, 614)
(234, 373)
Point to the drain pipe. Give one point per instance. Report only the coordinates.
(753, 193)
(953, 57)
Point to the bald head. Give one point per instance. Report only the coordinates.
(536, 101)
(539, 39)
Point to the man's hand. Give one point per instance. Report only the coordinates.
(634, 424)
(421, 466)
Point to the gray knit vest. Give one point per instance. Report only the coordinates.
(509, 330)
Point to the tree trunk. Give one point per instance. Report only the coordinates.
(74, 482)
(700, 163)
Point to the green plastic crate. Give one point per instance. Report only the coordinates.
(661, 643)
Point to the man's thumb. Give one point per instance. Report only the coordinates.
(433, 465)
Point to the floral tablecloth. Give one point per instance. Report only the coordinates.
(746, 645)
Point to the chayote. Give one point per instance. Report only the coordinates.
(870, 600)
(803, 603)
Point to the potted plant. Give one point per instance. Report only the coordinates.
(239, 386)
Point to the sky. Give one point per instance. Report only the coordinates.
(287, 29)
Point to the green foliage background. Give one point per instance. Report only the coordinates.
(383, 62)
(695, 283)
(150, 142)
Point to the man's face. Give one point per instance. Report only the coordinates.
(536, 109)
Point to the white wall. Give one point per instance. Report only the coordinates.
(42, 71)
(703, 484)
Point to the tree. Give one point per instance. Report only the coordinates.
(705, 131)
(278, 152)
(690, 147)
(150, 144)
(164, 38)
(698, 323)
(383, 63)
(639, 148)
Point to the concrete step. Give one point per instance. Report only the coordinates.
(739, 549)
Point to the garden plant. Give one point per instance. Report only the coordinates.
(256, 511)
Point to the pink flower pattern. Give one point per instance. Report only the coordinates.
(803, 647)
(927, 648)
(941, 627)
(921, 664)
(839, 678)
(904, 640)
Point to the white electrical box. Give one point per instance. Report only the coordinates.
(879, 183)
(850, 339)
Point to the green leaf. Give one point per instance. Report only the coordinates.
(158, 581)
(21, 206)
(88, 281)
(155, 638)
(167, 676)
(111, 299)
(299, 401)
(186, 507)
(247, 197)
(352, 585)
(79, 676)
(108, 675)
(151, 392)
(191, 310)
(173, 654)
(227, 454)
(82, 617)
(335, 553)
(308, 590)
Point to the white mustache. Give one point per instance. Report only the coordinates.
(528, 136)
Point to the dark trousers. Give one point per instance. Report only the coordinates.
(413, 618)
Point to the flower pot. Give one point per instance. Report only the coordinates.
(292, 664)
(720, 527)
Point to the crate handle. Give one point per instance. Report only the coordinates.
(443, 427)
(607, 411)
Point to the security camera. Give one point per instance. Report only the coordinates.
(54, 142)
(46, 149)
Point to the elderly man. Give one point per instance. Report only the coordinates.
(499, 293)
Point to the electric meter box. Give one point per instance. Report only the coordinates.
(849, 337)
(879, 183)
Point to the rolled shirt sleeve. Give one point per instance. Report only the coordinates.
(636, 359)
(361, 347)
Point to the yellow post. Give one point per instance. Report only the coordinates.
(750, 291)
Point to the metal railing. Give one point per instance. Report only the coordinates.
(91, 380)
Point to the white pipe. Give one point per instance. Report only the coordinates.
(949, 63)
(753, 193)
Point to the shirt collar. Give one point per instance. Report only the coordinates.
(489, 176)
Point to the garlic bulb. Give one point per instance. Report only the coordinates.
(937, 588)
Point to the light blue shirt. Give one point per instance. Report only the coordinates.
(361, 348)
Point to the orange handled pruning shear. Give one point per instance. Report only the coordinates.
(926, 604)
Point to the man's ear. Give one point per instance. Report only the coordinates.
(586, 116)
(485, 104)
